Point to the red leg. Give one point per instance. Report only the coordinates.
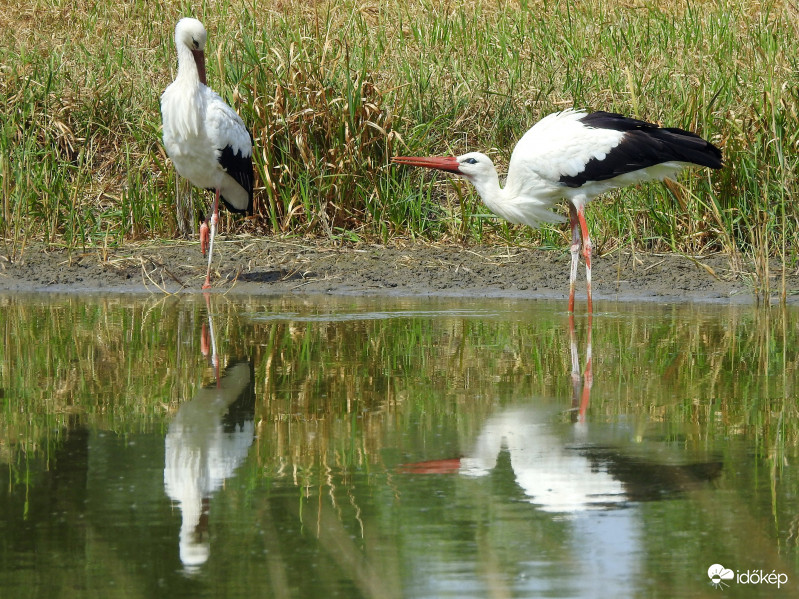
(586, 255)
(214, 220)
(581, 389)
(575, 374)
(208, 335)
(575, 251)
(588, 374)
(204, 236)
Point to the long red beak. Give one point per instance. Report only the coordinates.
(442, 163)
(199, 60)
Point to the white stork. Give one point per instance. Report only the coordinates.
(574, 156)
(205, 138)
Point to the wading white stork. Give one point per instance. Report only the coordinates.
(205, 138)
(574, 156)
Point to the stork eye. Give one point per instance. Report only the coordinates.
(196, 44)
(471, 161)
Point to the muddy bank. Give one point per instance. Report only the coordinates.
(278, 266)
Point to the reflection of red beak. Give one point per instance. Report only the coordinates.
(199, 60)
(442, 163)
(450, 466)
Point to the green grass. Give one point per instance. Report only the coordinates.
(727, 371)
(332, 91)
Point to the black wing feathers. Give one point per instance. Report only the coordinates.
(239, 167)
(643, 145)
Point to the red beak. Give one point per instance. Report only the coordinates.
(442, 163)
(199, 60)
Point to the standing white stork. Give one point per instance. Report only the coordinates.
(205, 138)
(574, 156)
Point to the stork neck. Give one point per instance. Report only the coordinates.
(488, 188)
(191, 65)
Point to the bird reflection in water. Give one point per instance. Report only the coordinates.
(588, 476)
(207, 440)
(581, 387)
(570, 469)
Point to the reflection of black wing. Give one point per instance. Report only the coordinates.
(242, 408)
(645, 480)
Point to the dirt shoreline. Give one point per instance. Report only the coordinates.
(276, 266)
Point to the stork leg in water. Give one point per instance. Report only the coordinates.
(208, 340)
(581, 389)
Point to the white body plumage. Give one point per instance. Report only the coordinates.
(204, 137)
(198, 126)
(559, 145)
(575, 156)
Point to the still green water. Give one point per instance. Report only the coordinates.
(396, 448)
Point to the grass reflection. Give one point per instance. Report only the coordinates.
(347, 390)
(322, 381)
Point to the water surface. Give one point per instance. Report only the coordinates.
(318, 447)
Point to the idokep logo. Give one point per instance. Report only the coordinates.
(719, 575)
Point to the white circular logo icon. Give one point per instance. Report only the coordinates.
(718, 574)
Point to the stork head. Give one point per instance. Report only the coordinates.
(476, 167)
(191, 34)
(473, 166)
